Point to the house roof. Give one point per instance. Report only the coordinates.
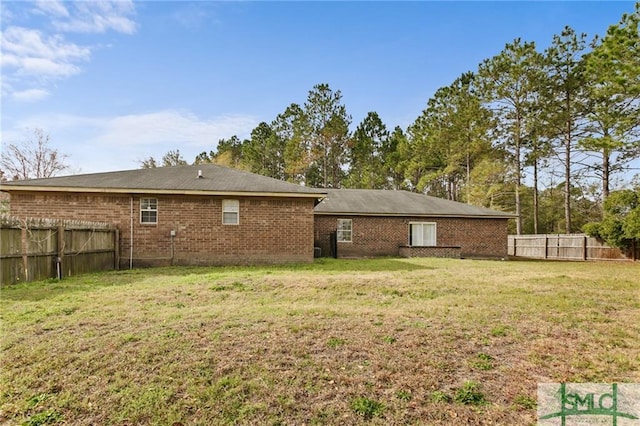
(215, 180)
(371, 202)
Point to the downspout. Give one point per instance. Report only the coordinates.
(131, 234)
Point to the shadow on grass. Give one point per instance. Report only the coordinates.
(40, 290)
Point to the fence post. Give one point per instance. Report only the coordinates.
(25, 250)
(584, 247)
(60, 250)
(116, 249)
(546, 246)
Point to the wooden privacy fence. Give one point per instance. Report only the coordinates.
(566, 247)
(37, 249)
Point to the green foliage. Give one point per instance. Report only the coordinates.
(483, 362)
(440, 396)
(367, 408)
(593, 229)
(230, 153)
(335, 342)
(390, 339)
(612, 70)
(621, 222)
(565, 104)
(510, 83)
(292, 128)
(173, 158)
(469, 394)
(35, 400)
(499, 331)
(449, 139)
(525, 402)
(264, 152)
(365, 152)
(404, 395)
(48, 417)
(148, 163)
(395, 155)
(632, 224)
(328, 123)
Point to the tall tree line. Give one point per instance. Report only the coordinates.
(543, 134)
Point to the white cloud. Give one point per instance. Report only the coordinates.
(51, 7)
(32, 57)
(99, 17)
(30, 95)
(31, 53)
(96, 144)
(172, 127)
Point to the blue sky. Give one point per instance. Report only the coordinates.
(115, 82)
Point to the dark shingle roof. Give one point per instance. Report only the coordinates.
(372, 202)
(178, 180)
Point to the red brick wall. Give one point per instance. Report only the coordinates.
(444, 252)
(271, 230)
(382, 236)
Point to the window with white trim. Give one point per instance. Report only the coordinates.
(422, 234)
(230, 212)
(345, 231)
(149, 210)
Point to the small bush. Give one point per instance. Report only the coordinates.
(483, 362)
(469, 394)
(48, 417)
(525, 402)
(440, 396)
(404, 395)
(367, 408)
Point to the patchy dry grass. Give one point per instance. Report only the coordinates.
(420, 341)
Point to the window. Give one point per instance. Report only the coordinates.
(230, 212)
(422, 234)
(148, 210)
(344, 231)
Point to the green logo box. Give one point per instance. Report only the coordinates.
(586, 404)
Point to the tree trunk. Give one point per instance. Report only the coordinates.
(605, 173)
(567, 179)
(518, 177)
(468, 186)
(536, 206)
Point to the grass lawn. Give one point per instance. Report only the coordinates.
(384, 341)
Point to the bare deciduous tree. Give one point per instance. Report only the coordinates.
(32, 159)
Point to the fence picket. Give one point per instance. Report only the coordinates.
(31, 248)
(567, 247)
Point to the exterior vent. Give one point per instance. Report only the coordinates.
(200, 174)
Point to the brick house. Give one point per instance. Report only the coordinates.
(365, 223)
(213, 215)
(189, 215)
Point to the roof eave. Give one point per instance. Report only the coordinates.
(29, 188)
(465, 216)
